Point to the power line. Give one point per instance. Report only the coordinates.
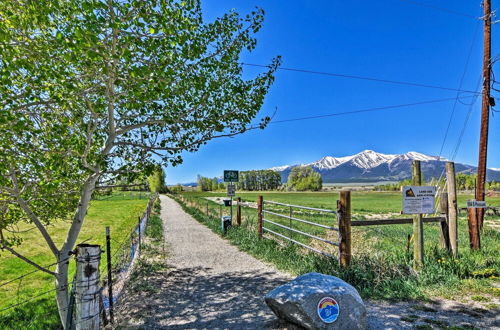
(460, 86)
(450, 11)
(366, 110)
(466, 122)
(341, 75)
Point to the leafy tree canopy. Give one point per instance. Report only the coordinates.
(95, 90)
(304, 178)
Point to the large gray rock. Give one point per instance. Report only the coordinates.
(301, 300)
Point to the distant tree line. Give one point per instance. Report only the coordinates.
(209, 184)
(463, 182)
(259, 180)
(301, 178)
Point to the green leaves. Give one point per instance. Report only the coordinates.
(89, 88)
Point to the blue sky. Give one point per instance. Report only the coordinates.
(388, 39)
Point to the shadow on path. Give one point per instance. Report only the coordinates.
(196, 298)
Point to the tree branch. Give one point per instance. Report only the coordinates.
(32, 216)
(25, 259)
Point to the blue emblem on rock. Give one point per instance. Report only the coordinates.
(328, 310)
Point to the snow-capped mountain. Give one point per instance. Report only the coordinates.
(369, 165)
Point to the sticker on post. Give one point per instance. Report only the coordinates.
(328, 310)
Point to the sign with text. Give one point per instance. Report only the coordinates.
(231, 176)
(474, 204)
(419, 199)
(231, 190)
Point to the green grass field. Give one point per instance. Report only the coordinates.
(119, 212)
(381, 258)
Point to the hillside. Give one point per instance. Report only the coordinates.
(371, 166)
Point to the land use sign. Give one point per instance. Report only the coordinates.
(419, 199)
(231, 176)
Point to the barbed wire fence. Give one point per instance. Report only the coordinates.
(126, 250)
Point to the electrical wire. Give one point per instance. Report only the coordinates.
(340, 75)
(366, 110)
(459, 87)
(466, 122)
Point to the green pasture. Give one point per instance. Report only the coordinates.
(119, 212)
(361, 202)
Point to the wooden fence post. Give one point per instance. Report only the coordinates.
(445, 232)
(344, 219)
(418, 228)
(238, 211)
(452, 206)
(260, 202)
(207, 208)
(110, 275)
(87, 314)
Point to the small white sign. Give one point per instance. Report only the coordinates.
(419, 199)
(474, 204)
(231, 190)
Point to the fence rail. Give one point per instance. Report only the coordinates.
(299, 243)
(300, 220)
(300, 232)
(301, 207)
(265, 224)
(403, 221)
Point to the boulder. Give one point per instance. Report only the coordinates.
(318, 301)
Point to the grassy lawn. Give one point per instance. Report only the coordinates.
(118, 212)
(381, 259)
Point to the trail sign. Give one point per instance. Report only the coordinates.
(231, 190)
(474, 204)
(231, 176)
(419, 199)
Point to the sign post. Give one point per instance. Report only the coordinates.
(231, 176)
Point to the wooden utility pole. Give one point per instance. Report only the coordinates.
(474, 238)
(418, 227)
(452, 206)
(485, 114)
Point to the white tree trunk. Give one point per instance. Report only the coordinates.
(76, 225)
(62, 296)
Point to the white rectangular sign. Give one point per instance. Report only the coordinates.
(474, 204)
(231, 190)
(419, 199)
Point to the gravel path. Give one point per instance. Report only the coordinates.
(210, 284)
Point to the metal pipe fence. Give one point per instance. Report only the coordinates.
(278, 221)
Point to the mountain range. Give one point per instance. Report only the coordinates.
(371, 166)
